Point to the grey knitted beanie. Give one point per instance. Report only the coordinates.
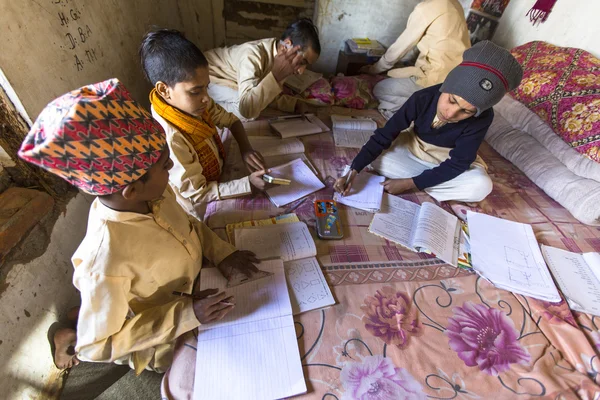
(486, 74)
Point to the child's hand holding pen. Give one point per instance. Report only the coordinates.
(210, 305)
(343, 184)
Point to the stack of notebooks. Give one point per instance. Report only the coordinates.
(256, 342)
(371, 48)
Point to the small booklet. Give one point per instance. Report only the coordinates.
(304, 182)
(280, 219)
(577, 276)
(350, 131)
(294, 244)
(297, 125)
(366, 192)
(300, 82)
(422, 228)
(273, 146)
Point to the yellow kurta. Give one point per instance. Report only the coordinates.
(247, 69)
(126, 269)
(439, 30)
(186, 178)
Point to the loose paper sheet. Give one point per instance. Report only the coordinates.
(304, 182)
(307, 285)
(366, 193)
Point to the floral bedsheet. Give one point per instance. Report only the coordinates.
(407, 326)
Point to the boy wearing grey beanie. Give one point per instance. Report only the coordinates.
(431, 143)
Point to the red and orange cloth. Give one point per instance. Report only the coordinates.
(96, 137)
(197, 131)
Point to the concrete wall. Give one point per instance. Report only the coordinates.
(571, 24)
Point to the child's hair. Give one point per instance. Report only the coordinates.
(167, 56)
(303, 33)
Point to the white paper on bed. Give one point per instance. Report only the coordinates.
(294, 244)
(255, 343)
(420, 228)
(300, 82)
(297, 125)
(577, 276)
(366, 192)
(274, 146)
(507, 254)
(351, 131)
(304, 182)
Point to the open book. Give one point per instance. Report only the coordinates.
(304, 182)
(255, 343)
(507, 254)
(294, 244)
(578, 276)
(300, 82)
(366, 192)
(297, 125)
(350, 131)
(425, 228)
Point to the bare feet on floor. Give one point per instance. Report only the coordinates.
(64, 356)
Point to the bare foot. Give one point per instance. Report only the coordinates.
(64, 356)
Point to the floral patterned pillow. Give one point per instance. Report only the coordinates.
(562, 86)
(320, 92)
(355, 91)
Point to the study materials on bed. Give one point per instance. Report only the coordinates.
(577, 276)
(507, 254)
(328, 220)
(237, 277)
(421, 228)
(351, 131)
(300, 82)
(280, 219)
(297, 125)
(366, 46)
(294, 244)
(303, 182)
(366, 192)
(274, 146)
(255, 343)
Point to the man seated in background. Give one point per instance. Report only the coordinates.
(247, 78)
(439, 31)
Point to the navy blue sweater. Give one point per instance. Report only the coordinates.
(463, 137)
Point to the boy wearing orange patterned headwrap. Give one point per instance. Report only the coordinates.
(140, 245)
(180, 103)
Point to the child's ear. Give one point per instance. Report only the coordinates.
(288, 43)
(133, 191)
(163, 90)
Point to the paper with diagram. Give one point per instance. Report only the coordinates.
(577, 276)
(352, 131)
(366, 192)
(255, 343)
(307, 285)
(507, 254)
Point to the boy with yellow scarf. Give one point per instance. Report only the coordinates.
(180, 103)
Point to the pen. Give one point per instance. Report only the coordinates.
(176, 293)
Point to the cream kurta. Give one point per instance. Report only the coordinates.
(439, 30)
(186, 178)
(247, 69)
(126, 269)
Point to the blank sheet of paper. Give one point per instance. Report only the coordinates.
(304, 182)
(366, 193)
(257, 348)
(286, 241)
(307, 285)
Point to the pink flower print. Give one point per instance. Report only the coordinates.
(377, 378)
(390, 316)
(555, 313)
(485, 337)
(343, 87)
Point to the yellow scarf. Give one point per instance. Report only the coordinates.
(196, 131)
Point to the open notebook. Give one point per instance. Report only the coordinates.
(578, 276)
(300, 82)
(421, 228)
(304, 182)
(255, 344)
(350, 131)
(366, 192)
(297, 125)
(296, 247)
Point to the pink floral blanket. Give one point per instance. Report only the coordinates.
(407, 326)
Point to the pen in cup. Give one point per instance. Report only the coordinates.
(176, 293)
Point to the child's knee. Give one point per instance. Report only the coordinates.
(480, 186)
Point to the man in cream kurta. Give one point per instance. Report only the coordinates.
(126, 269)
(242, 81)
(192, 189)
(439, 31)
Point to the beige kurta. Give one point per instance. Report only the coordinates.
(247, 69)
(186, 178)
(439, 30)
(126, 269)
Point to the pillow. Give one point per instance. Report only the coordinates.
(355, 91)
(320, 92)
(562, 86)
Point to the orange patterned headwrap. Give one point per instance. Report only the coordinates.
(96, 137)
